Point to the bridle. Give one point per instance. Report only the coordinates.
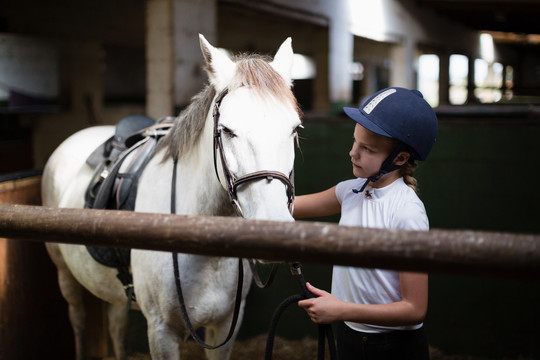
(232, 181)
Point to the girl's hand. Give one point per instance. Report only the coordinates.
(410, 310)
(324, 309)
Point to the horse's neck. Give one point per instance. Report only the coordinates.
(198, 192)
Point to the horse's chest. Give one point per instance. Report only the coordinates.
(208, 285)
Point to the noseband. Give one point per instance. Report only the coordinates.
(232, 181)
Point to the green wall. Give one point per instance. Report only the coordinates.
(480, 175)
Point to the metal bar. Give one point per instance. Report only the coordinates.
(458, 252)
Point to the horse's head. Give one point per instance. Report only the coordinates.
(255, 123)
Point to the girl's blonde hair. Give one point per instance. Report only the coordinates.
(407, 172)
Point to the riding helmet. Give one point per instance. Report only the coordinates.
(401, 114)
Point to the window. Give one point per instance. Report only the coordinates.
(459, 72)
(357, 75)
(488, 80)
(428, 78)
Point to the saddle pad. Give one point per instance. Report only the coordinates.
(112, 257)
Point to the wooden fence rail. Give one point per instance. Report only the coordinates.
(459, 252)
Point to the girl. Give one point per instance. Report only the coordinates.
(380, 312)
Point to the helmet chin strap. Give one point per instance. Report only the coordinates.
(386, 167)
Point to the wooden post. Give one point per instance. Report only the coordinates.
(159, 55)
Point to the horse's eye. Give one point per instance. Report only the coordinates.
(228, 132)
(295, 135)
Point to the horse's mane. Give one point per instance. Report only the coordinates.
(253, 71)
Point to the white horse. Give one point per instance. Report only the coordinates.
(257, 122)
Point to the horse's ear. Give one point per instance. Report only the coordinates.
(283, 60)
(219, 66)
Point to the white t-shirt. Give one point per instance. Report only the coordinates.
(395, 206)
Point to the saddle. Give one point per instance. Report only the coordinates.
(114, 186)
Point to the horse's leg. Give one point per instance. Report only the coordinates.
(72, 291)
(163, 340)
(118, 321)
(215, 334)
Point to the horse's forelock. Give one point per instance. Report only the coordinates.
(256, 72)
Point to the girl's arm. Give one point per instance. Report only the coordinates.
(324, 203)
(410, 310)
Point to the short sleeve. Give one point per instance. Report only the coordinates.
(412, 216)
(345, 187)
(340, 191)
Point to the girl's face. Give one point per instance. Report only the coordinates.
(368, 152)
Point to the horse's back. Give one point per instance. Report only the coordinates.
(66, 174)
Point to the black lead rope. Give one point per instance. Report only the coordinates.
(325, 330)
(179, 285)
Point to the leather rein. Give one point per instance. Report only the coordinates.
(232, 183)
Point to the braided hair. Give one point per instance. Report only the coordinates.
(407, 172)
